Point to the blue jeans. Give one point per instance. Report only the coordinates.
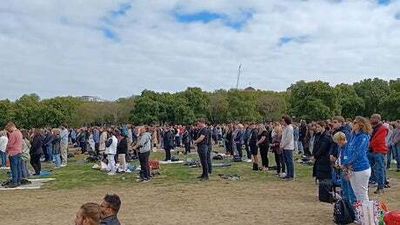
(16, 172)
(3, 158)
(49, 150)
(57, 160)
(396, 155)
(347, 190)
(24, 169)
(288, 157)
(389, 156)
(378, 166)
(209, 162)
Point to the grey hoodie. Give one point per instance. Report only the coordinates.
(145, 142)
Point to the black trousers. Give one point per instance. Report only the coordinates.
(144, 165)
(202, 150)
(187, 147)
(246, 147)
(239, 149)
(96, 148)
(264, 156)
(36, 164)
(280, 164)
(167, 154)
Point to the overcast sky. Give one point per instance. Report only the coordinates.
(116, 48)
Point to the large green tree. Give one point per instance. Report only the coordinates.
(372, 91)
(350, 103)
(315, 100)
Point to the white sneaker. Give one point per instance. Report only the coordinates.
(282, 175)
(63, 165)
(248, 160)
(128, 171)
(110, 174)
(169, 161)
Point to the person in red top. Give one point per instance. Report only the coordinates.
(14, 150)
(378, 150)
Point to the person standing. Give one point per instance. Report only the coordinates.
(122, 150)
(168, 143)
(144, 146)
(3, 148)
(25, 157)
(47, 146)
(276, 141)
(56, 148)
(14, 151)
(111, 150)
(36, 151)
(302, 136)
(287, 146)
(322, 144)
(202, 148)
(64, 145)
(377, 152)
(96, 139)
(355, 160)
(102, 143)
(238, 140)
(186, 139)
(263, 144)
(396, 144)
(253, 139)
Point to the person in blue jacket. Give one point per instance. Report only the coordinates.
(355, 160)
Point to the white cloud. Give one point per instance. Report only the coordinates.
(58, 47)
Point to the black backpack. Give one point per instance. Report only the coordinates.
(325, 191)
(343, 212)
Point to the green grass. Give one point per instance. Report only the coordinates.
(79, 174)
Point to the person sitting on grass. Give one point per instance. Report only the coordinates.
(88, 214)
(109, 209)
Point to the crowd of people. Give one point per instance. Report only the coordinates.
(359, 151)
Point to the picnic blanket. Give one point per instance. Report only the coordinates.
(36, 184)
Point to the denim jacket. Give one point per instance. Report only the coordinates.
(355, 155)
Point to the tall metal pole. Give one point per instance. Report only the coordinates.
(238, 76)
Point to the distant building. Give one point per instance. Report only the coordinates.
(249, 89)
(92, 99)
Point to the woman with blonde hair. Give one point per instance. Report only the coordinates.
(355, 159)
(276, 141)
(88, 214)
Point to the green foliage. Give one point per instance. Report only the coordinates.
(351, 105)
(372, 92)
(313, 100)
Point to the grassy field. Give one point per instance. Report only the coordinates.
(177, 197)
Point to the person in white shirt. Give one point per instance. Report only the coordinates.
(287, 145)
(3, 146)
(111, 150)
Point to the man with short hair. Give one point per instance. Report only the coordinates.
(64, 145)
(109, 209)
(287, 146)
(202, 148)
(378, 151)
(14, 150)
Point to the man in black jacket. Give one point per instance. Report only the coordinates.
(168, 143)
(202, 142)
(109, 210)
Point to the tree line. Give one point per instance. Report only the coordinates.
(316, 100)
